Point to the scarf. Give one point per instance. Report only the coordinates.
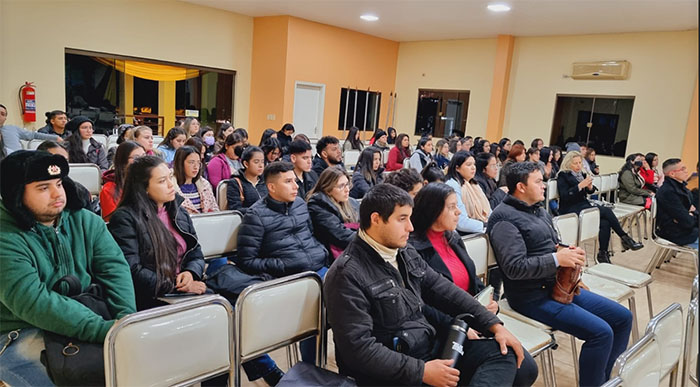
(386, 253)
(475, 201)
(578, 175)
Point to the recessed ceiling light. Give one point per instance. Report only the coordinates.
(498, 7)
(369, 18)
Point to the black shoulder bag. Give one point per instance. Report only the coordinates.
(73, 362)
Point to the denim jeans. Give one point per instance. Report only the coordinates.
(483, 364)
(604, 325)
(693, 245)
(20, 364)
(308, 346)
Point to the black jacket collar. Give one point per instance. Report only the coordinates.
(277, 206)
(520, 205)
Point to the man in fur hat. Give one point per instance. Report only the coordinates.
(46, 235)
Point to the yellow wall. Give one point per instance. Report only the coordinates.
(315, 53)
(165, 30)
(664, 67)
(690, 142)
(449, 64)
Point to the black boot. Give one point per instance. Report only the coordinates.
(603, 257)
(629, 243)
(273, 377)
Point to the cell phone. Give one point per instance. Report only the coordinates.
(179, 294)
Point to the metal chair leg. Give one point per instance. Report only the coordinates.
(651, 308)
(552, 373)
(574, 354)
(543, 367)
(635, 328)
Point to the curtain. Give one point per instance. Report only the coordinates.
(151, 71)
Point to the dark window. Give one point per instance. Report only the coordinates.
(359, 108)
(602, 122)
(442, 112)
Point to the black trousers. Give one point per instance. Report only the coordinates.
(608, 221)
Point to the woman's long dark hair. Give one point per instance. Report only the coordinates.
(428, 205)
(75, 148)
(179, 164)
(220, 132)
(389, 131)
(649, 157)
(267, 133)
(172, 134)
(482, 160)
(405, 151)
(121, 162)
(163, 244)
(629, 162)
(352, 133)
(457, 160)
(269, 146)
(232, 139)
(365, 163)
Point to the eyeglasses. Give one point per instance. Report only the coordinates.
(193, 163)
(341, 187)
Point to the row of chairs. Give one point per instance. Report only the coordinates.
(106, 141)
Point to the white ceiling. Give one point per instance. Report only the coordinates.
(410, 20)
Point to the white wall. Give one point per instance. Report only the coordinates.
(35, 33)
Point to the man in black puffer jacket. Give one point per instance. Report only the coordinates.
(276, 236)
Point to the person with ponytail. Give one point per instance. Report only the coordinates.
(56, 121)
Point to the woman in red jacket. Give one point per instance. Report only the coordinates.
(398, 153)
(113, 178)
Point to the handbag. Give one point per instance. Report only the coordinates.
(70, 361)
(566, 285)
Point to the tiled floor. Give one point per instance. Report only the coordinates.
(672, 283)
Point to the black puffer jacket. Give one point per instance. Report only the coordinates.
(329, 227)
(360, 185)
(277, 238)
(370, 303)
(310, 179)
(674, 221)
(134, 240)
(523, 240)
(251, 194)
(491, 190)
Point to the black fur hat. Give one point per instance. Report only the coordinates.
(23, 167)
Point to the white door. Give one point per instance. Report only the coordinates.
(308, 108)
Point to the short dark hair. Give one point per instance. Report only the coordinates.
(669, 163)
(431, 173)
(464, 140)
(519, 142)
(519, 173)
(534, 142)
(298, 146)
(323, 142)
(48, 144)
(275, 168)
(404, 178)
(428, 206)
(382, 199)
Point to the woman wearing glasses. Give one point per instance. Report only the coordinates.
(187, 172)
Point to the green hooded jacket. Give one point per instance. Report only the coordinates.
(32, 261)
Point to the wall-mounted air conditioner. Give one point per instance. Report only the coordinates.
(614, 69)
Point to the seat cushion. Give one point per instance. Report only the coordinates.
(629, 277)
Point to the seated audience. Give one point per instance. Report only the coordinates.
(284, 136)
(407, 179)
(206, 135)
(175, 138)
(353, 141)
(400, 152)
(42, 218)
(574, 186)
(546, 159)
(333, 212)
(435, 216)
(589, 161)
(516, 155)
(537, 143)
(243, 133)
(423, 154)
(650, 172)
(113, 179)
(431, 174)
(82, 148)
(125, 132)
(375, 297)
(300, 156)
(11, 135)
(442, 154)
(150, 215)
(266, 135)
(390, 136)
(191, 126)
(483, 145)
(227, 162)
(631, 189)
(220, 137)
(367, 173)
(676, 215)
(302, 137)
(466, 143)
(195, 190)
(247, 187)
(379, 140)
(505, 148)
(201, 147)
(533, 155)
(472, 203)
(486, 174)
(525, 244)
(272, 150)
(327, 153)
(556, 159)
(143, 135)
(56, 121)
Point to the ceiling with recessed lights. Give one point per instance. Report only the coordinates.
(410, 20)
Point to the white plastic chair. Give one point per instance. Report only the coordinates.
(668, 328)
(101, 138)
(274, 314)
(478, 249)
(221, 199)
(24, 143)
(350, 158)
(33, 144)
(217, 232)
(638, 366)
(552, 192)
(690, 345)
(173, 345)
(665, 245)
(567, 227)
(89, 175)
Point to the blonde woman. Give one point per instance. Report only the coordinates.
(574, 185)
(333, 212)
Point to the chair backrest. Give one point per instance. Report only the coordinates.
(640, 364)
(221, 195)
(156, 141)
(598, 183)
(296, 300)
(407, 162)
(606, 184)
(89, 175)
(485, 295)
(33, 144)
(588, 224)
(24, 143)
(385, 156)
(350, 158)
(177, 344)
(552, 191)
(690, 350)
(668, 328)
(217, 232)
(101, 138)
(567, 226)
(614, 184)
(478, 248)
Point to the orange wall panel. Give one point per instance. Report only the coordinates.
(690, 143)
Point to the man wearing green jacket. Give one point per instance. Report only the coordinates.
(46, 234)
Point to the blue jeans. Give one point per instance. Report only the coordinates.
(308, 346)
(20, 364)
(604, 325)
(693, 245)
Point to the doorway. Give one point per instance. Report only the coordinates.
(442, 112)
(308, 108)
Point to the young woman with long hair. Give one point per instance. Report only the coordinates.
(391, 136)
(516, 155)
(191, 126)
(486, 174)
(284, 136)
(368, 172)
(352, 141)
(442, 153)
(113, 179)
(82, 148)
(650, 172)
(400, 152)
(220, 137)
(272, 150)
(471, 200)
(227, 162)
(631, 189)
(175, 138)
(333, 212)
(423, 154)
(266, 135)
(197, 192)
(247, 187)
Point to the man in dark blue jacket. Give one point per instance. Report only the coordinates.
(676, 216)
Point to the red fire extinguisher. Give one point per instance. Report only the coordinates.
(27, 100)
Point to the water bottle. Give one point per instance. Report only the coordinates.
(454, 345)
